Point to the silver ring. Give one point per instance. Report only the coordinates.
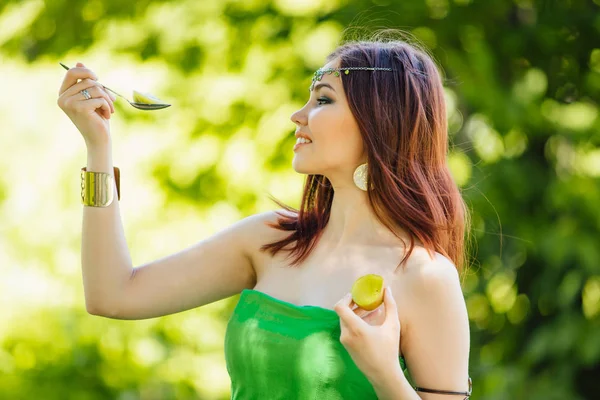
(86, 94)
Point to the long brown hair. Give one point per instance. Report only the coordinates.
(402, 120)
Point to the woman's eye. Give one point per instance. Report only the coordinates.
(323, 100)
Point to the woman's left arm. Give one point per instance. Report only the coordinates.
(435, 345)
(437, 341)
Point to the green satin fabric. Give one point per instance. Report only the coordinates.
(275, 350)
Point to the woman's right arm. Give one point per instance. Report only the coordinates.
(210, 270)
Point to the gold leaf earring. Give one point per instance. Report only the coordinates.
(360, 177)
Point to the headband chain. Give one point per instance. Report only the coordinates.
(336, 71)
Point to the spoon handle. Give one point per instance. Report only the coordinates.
(107, 88)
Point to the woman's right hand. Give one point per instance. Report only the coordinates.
(89, 116)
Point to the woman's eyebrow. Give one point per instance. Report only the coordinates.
(327, 85)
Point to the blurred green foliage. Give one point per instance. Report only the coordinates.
(522, 83)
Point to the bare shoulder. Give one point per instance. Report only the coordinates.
(431, 291)
(425, 271)
(259, 227)
(263, 219)
(259, 231)
(427, 281)
(422, 274)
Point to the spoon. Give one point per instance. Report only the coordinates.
(141, 106)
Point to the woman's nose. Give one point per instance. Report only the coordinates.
(299, 118)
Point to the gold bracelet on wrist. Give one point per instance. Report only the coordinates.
(97, 187)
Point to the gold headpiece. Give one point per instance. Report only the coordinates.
(336, 71)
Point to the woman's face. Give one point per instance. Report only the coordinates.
(326, 119)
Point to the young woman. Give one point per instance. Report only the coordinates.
(379, 199)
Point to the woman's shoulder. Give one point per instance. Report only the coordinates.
(264, 224)
(263, 221)
(425, 270)
(422, 261)
(262, 230)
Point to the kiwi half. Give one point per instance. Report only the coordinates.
(367, 291)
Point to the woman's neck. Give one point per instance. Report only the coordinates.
(352, 221)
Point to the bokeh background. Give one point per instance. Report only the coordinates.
(522, 86)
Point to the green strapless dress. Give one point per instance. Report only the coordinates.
(275, 350)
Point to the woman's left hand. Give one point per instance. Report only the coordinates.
(372, 341)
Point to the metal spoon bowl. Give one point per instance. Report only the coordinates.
(140, 106)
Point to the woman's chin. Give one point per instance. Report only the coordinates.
(299, 167)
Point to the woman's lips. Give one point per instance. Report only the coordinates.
(298, 145)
